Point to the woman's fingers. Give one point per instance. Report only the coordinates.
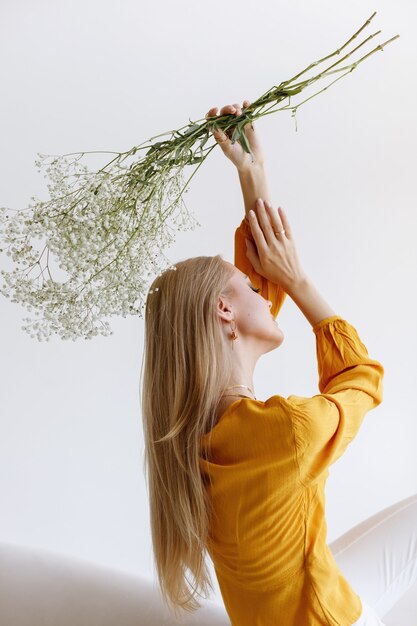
(278, 257)
(257, 233)
(269, 221)
(252, 254)
(212, 112)
(234, 109)
(218, 134)
(285, 223)
(277, 222)
(228, 108)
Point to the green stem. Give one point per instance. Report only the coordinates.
(187, 182)
(333, 54)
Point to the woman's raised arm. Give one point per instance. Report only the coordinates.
(253, 182)
(252, 175)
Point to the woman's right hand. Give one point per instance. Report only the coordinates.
(275, 256)
(234, 151)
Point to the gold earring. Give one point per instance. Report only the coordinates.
(234, 336)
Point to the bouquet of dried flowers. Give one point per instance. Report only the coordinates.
(109, 227)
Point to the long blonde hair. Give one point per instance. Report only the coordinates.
(187, 364)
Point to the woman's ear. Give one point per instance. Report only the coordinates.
(224, 309)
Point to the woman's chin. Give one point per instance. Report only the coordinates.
(281, 333)
(278, 335)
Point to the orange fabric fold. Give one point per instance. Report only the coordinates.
(270, 291)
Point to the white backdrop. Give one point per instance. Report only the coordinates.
(100, 75)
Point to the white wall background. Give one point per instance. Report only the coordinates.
(101, 75)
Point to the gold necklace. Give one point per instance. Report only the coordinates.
(237, 394)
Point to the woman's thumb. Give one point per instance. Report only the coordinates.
(221, 137)
(250, 252)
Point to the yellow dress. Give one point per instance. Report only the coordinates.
(268, 463)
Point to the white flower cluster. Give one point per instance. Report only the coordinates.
(106, 234)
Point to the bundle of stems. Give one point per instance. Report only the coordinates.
(109, 227)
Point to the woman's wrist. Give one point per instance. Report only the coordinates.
(251, 166)
(254, 185)
(308, 299)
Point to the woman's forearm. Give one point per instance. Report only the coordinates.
(304, 293)
(254, 185)
(310, 302)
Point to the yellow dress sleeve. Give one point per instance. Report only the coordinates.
(270, 291)
(350, 385)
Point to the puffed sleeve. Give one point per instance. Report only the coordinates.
(350, 385)
(270, 291)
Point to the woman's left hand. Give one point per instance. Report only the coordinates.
(235, 152)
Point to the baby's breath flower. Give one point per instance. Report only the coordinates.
(108, 228)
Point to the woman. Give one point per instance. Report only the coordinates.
(232, 476)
